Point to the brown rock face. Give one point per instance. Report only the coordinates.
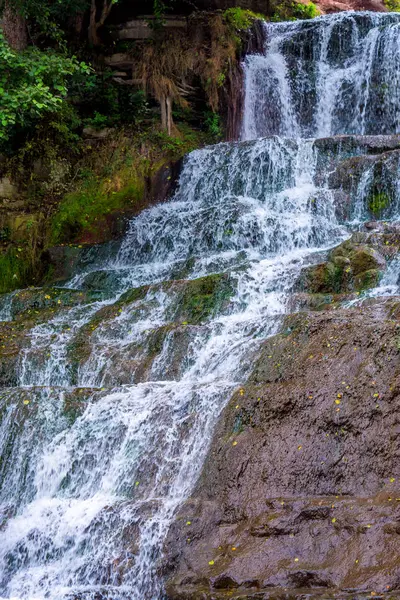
(331, 6)
(300, 496)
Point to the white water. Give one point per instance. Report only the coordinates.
(331, 75)
(87, 501)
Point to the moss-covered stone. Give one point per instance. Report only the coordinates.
(351, 266)
(191, 302)
(378, 201)
(38, 299)
(367, 279)
(202, 298)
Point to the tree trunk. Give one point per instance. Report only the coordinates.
(92, 30)
(163, 104)
(167, 122)
(94, 25)
(170, 122)
(14, 28)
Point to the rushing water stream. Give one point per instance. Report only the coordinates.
(87, 498)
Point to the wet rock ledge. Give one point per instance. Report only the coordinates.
(300, 494)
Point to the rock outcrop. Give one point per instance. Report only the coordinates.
(355, 265)
(299, 496)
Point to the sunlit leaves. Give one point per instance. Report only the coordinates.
(32, 83)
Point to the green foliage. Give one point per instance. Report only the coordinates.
(239, 18)
(159, 9)
(41, 159)
(212, 123)
(57, 133)
(32, 83)
(392, 5)
(104, 103)
(48, 19)
(98, 121)
(15, 270)
(291, 11)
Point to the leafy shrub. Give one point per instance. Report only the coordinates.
(213, 124)
(32, 83)
(291, 11)
(98, 121)
(41, 157)
(49, 19)
(102, 102)
(239, 18)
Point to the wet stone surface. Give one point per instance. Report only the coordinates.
(300, 490)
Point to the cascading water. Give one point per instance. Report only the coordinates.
(107, 430)
(329, 76)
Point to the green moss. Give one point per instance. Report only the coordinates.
(367, 279)
(392, 5)
(377, 202)
(323, 279)
(79, 210)
(291, 11)
(134, 295)
(15, 269)
(202, 298)
(240, 19)
(113, 178)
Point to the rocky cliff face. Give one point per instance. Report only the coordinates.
(299, 496)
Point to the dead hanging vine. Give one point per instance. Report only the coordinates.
(173, 68)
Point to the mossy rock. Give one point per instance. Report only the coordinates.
(43, 298)
(200, 299)
(378, 202)
(134, 295)
(344, 269)
(317, 302)
(80, 347)
(191, 302)
(324, 278)
(367, 279)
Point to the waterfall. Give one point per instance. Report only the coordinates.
(332, 75)
(106, 431)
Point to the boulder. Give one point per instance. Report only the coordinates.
(354, 265)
